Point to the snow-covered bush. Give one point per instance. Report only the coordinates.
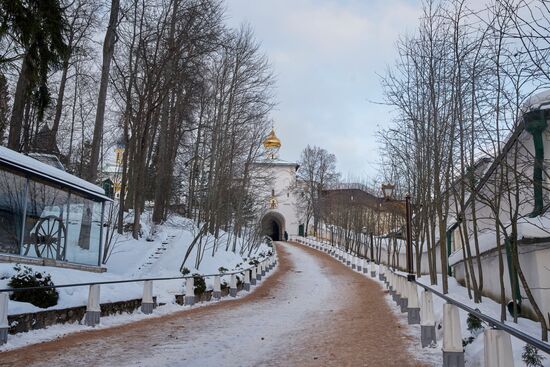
(185, 271)
(200, 284)
(25, 278)
(474, 325)
(531, 356)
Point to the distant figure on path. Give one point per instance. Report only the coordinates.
(286, 236)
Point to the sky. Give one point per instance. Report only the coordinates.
(327, 56)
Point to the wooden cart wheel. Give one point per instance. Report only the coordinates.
(50, 238)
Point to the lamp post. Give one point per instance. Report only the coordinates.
(408, 213)
(387, 190)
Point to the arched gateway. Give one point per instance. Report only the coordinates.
(279, 190)
(273, 225)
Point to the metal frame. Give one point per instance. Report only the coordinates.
(539, 344)
(3, 290)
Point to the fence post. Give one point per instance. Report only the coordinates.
(392, 284)
(497, 348)
(4, 324)
(263, 269)
(427, 320)
(373, 271)
(93, 310)
(353, 262)
(147, 303)
(413, 308)
(247, 280)
(217, 291)
(259, 272)
(404, 294)
(189, 292)
(348, 259)
(453, 352)
(233, 285)
(253, 275)
(397, 286)
(360, 264)
(365, 266)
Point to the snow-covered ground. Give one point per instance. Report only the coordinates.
(474, 354)
(137, 259)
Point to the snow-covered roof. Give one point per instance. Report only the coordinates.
(30, 165)
(537, 101)
(278, 162)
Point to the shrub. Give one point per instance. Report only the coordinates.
(474, 324)
(531, 356)
(200, 284)
(26, 277)
(221, 269)
(185, 271)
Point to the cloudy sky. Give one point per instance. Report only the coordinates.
(326, 55)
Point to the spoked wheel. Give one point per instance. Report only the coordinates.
(50, 238)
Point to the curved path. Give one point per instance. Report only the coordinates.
(312, 312)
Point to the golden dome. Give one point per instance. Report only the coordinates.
(272, 141)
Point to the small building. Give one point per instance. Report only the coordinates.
(48, 216)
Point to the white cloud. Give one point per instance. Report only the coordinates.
(326, 54)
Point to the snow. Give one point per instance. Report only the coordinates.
(38, 168)
(474, 352)
(139, 259)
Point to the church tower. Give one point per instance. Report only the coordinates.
(279, 215)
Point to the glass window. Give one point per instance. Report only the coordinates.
(45, 232)
(84, 230)
(12, 197)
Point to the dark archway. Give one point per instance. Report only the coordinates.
(273, 225)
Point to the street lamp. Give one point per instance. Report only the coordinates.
(364, 231)
(387, 189)
(409, 237)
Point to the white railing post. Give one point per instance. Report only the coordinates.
(93, 310)
(381, 273)
(217, 291)
(147, 303)
(373, 270)
(353, 262)
(453, 352)
(413, 307)
(360, 263)
(348, 259)
(263, 269)
(397, 283)
(4, 324)
(427, 320)
(189, 292)
(365, 266)
(253, 275)
(498, 348)
(247, 280)
(404, 294)
(259, 272)
(233, 285)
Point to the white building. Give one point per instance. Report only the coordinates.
(277, 185)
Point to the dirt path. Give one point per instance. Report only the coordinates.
(312, 312)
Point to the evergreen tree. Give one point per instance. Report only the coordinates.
(38, 27)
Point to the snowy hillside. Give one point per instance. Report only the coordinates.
(159, 256)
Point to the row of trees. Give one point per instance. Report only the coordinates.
(186, 97)
(458, 85)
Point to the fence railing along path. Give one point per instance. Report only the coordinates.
(420, 310)
(251, 276)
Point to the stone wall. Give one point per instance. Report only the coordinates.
(42, 319)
